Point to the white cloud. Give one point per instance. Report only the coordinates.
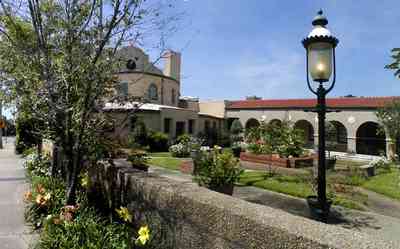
(281, 75)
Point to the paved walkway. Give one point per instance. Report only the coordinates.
(386, 227)
(13, 232)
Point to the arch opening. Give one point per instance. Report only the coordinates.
(308, 132)
(369, 140)
(276, 122)
(251, 123)
(336, 136)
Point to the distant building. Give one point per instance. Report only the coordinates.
(356, 123)
(164, 108)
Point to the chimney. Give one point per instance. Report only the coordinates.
(172, 67)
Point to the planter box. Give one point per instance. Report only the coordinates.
(187, 167)
(273, 160)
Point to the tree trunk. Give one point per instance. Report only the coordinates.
(73, 172)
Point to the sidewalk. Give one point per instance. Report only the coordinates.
(385, 227)
(14, 234)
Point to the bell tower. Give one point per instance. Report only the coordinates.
(172, 67)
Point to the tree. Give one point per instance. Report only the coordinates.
(389, 117)
(59, 59)
(395, 65)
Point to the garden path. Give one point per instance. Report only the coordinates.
(381, 204)
(14, 234)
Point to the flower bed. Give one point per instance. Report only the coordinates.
(275, 160)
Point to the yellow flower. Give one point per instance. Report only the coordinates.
(47, 197)
(85, 181)
(144, 235)
(39, 199)
(124, 214)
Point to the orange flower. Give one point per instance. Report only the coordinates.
(42, 200)
(28, 196)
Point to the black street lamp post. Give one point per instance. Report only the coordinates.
(320, 49)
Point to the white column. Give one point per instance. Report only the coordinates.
(352, 144)
(390, 148)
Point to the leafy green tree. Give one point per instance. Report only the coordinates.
(389, 117)
(236, 127)
(395, 65)
(58, 60)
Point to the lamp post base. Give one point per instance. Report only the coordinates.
(317, 209)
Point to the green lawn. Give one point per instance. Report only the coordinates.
(159, 154)
(291, 185)
(386, 183)
(297, 186)
(166, 162)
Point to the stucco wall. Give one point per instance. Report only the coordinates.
(351, 119)
(198, 218)
(213, 108)
(178, 115)
(138, 85)
(123, 127)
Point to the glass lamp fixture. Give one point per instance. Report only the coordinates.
(320, 47)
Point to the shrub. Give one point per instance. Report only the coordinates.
(47, 196)
(259, 148)
(158, 141)
(86, 231)
(180, 150)
(185, 145)
(185, 138)
(382, 164)
(138, 158)
(35, 165)
(272, 138)
(139, 135)
(236, 127)
(216, 169)
(27, 133)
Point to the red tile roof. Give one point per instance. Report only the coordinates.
(343, 102)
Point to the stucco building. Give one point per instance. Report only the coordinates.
(162, 108)
(357, 127)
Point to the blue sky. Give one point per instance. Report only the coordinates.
(235, 48)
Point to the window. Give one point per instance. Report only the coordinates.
(167, 125)
(153, 92)
(191, 126)
(173, 96)
(206, 125)
(214, 125)
(123, 88)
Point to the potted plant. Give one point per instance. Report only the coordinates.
(138, 159)
(218, 171)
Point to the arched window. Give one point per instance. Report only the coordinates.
(173, 96)
(153, 92)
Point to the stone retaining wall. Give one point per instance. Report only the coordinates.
(200, 218)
